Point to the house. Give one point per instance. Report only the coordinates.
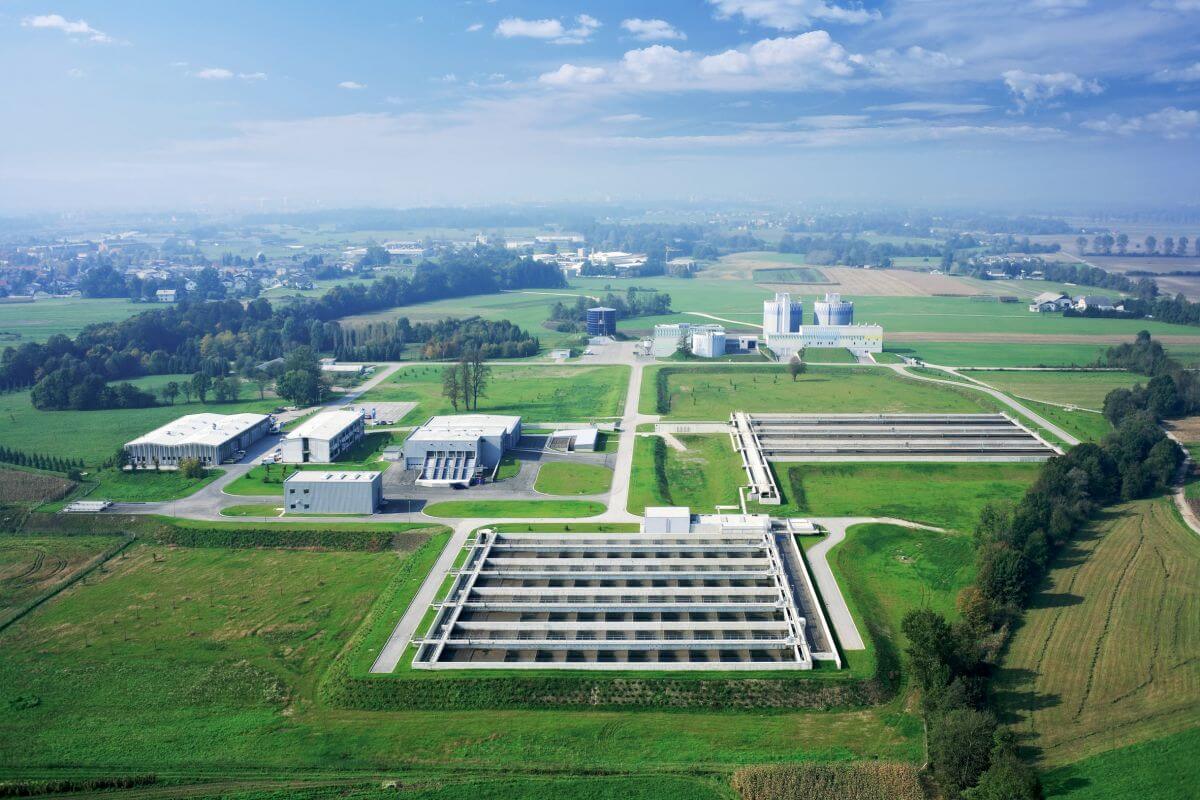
(165, 296)
(1050, 301)
(1098, 302)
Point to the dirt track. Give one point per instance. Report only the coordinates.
(1030, 338)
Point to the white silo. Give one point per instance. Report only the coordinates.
(833, 311)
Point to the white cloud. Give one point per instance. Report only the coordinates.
(786, 62)
(792, 15)
(624, 118)
(551, 30)
(935, 109)
(1031, 88)
(933, 58)
(352, 86)
(76, 72)
(651, 30)
(478, 26)
(213, 74)
(1181, 75)
(58, 22)
(252, 76)
(1169, 123)
(571, 75)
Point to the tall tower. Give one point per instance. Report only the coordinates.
(834, 311)
(782, 315)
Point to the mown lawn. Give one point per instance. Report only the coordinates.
(146, 486)
(704, 476)
(567, 478)
(501, 509)
(944, 495)
(1087, 426)
(713, 393)
(30, 565)
(997, 354)
(1086, 389)
(1164, 769)
(536, 393)
(253, 510)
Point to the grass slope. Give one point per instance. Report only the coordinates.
(1086, 389)
(537, 393)
(30, 565)
(1164, 769)
(945, 495)
(1109, 653)
(714, 392)
(707, 474)
(566, 478)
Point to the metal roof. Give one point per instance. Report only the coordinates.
(303, 476)
(202, 429)
(326, 425)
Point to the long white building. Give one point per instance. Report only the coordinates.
(212, 439)
(855, 338)
(323, 438)
(448, 450)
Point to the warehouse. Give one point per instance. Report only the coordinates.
(855, 338)
(453, 450)
(716, 597)
(212, 439)
(333, 492)
(323, 438)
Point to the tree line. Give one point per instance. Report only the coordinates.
(1104, 244)
(635, 303)
(466, 381)
(971, 756)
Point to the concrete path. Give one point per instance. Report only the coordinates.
(979, 385)
(818, 561)
(743, 323)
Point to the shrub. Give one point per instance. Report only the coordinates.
(191, 468)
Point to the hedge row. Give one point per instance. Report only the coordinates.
(856, 781)
(324, 539)
(659, 449)
(662, 391)
(36, 788)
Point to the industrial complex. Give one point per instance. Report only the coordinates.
(451, 450)
(211, 439)
(323, 438)
(833, 327)
(307, 492)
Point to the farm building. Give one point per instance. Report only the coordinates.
(211, 438)
(1050, 301)
(1098, 302)
(333, 492)
(323, 438)
(449, 450)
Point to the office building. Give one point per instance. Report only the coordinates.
(333, 492)
(324, 438)
(453, 450)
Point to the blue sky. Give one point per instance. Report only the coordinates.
(236, 105)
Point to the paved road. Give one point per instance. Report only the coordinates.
(835, 604)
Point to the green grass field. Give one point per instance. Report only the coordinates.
(145, 486)
(31, 565)
(1108, 654)
(945, 495)
(267, 479)
(1085, 389)
(713, 393)
(830, 355)
(790, 275)
(537, 393)
(1087, 426)
(38, 321)
(95, 435)
(1164, 769)
(995, 354)
(253, 510)
(706, 475)
(501, 509)
(566, 478)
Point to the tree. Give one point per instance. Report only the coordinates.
(1181, 246)
(170, 392)
(685, 346)
(1008, 778)
(1169, 246)
(201, 385)
(301, 387)
(1122, 243)
(960, 748)
(480, 374)
(452, 388)
(1081, 244)
(796, 367)
(933, 647)
(186, 387)
(262, 381)
(1151, 245)
(191, 468)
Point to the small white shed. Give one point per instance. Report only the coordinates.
(667, 519)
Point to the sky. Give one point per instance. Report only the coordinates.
(215, 106)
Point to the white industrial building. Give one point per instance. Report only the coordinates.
(855, 338)
(706, 341)
(332, 492)
(709, 342)
(323, 438)
(212, 439)
(782, 315)
(833, 311)
(451, 450)
(667, 519)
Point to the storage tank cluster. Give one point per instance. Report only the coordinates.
(833, 311)
(782, 315)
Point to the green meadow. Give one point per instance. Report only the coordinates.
(41, 319)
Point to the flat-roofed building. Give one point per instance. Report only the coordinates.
(212, 439)
(323, 438)
(448, 450)
(667, 519)
(332, 492)
(855, 338)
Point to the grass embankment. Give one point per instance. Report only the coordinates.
(145, 486)
(509, 467)
(95, 436)
(704, 476)
(830, 355)
(568, 478)
(501, 509)
(536, 393)
(944, 495)
(32, 565)
(1108, 653)
(1084, 389)
(253, 510)
(1164, 769)
(1086, 426)
(996, 354)
(699, 393)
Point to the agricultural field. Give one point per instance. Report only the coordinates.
(1084, 389)
(943, 495)
(33, 565)
(713, 393)
(567, 478)
(229, 648)
(537, 393)
(1087, 426)
(1164, 769)
(1108, 654)
(41, 319)
(30, 488)
(998, 354)
(790, 275)
(703, 476)
(94, 436)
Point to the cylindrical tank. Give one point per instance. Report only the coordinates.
(601, 321)
(833, 311)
